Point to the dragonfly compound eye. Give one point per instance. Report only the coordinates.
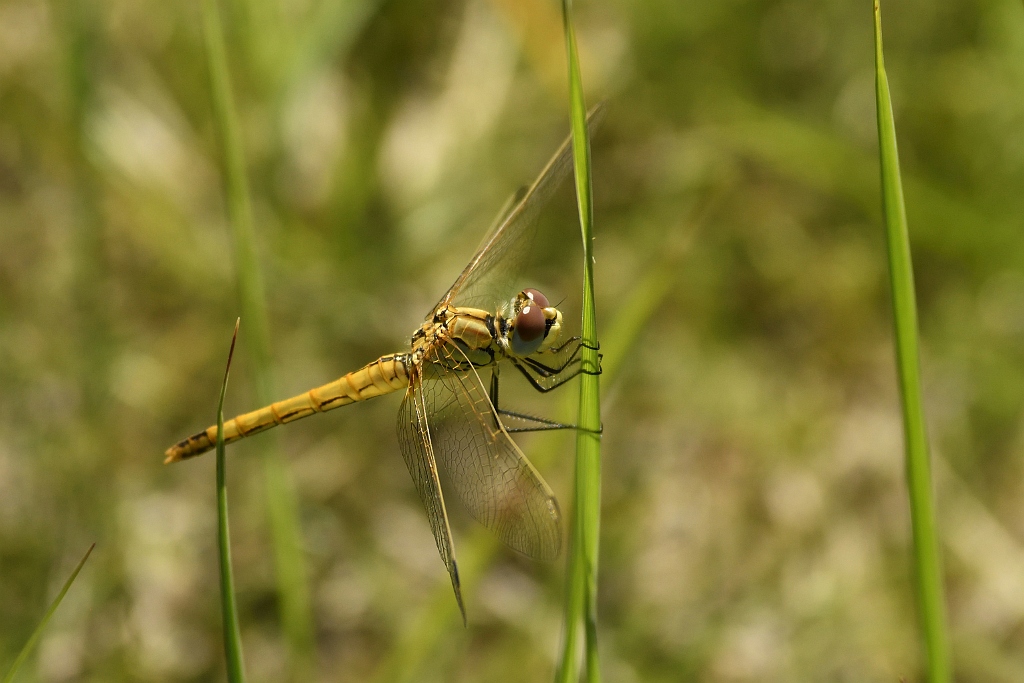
(536, 297)
(529, 331)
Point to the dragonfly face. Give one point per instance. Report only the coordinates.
(534, 327)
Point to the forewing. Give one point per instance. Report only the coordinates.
(415, 440)
(490, 277)
(491, 476)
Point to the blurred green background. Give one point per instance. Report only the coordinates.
(755, 518)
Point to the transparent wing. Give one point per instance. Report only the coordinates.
(414, 438)
(491, 476)
(489, 278)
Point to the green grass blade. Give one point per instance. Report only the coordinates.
(928, 572)
(80, 23)
(581, 590)
(34, 638)
(289, 558)
(228, 603)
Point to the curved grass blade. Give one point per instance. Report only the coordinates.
(927, 569)
(228, 603)
(34, 638)
(282, 508)
(581, 589)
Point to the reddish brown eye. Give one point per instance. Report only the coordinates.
(530, 323)
(536, 297)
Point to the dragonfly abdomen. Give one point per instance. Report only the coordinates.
(382, 376)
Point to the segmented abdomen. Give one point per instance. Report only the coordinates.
(382, 376)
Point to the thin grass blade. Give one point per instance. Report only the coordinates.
(282, 507)
(34, 638)
(581, 590)
(927, 568)
(228, 602)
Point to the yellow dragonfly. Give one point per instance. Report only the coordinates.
(449, 415)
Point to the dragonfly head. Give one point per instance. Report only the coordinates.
(536, 324)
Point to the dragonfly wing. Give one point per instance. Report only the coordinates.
(491, 476)
(489, 278)
(415, 440)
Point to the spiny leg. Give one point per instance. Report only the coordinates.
(535, 423)
(540, 424)
(547, 371)
(493, 394)
(548, 379)
(582, 342)
(564, 359)
(562, 355)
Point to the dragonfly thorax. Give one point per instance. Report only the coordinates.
(527, 325)
(455, 337)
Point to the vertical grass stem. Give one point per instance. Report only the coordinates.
(296, 612)
(927, 568)
(581, 590)
(228, 603)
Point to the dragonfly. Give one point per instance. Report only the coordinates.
(449, 415)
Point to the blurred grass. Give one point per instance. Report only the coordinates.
(282, 506)
(79, 27)
(582, 570)
(234, 662)
(833, 164)
(927, 567)
(26, 650)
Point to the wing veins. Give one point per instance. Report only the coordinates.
(527, 518)
(521, 213)
(422, 465)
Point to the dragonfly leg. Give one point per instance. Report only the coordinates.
(540, 424)
(564, 358)
(547, 371)
(533, 423)
(547, 379)
(493, 394)
(585, 344)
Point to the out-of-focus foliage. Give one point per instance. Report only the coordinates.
(755, 523)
